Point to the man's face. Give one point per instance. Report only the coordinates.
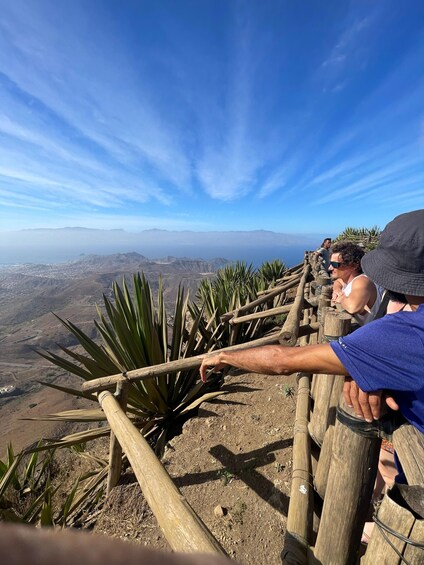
(337, 269)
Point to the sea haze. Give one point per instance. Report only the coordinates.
(56, 245)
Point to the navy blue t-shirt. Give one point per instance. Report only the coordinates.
(389, 354)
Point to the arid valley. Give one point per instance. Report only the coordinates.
(31, 293)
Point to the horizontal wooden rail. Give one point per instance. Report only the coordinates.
(182, 528)
(295, 269)
(275, 292)
(95, 385)
(258, 315)
(280, 282)
(102, 383)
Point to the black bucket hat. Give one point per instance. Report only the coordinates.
(398, 262)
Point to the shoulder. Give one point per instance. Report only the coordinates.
(362, 281)
(391, 330)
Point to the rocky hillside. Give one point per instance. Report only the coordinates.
(29, 293)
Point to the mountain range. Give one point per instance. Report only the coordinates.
(63, 244)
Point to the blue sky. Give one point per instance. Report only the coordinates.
(292, 116)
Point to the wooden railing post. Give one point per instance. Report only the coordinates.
(234, 331)
(115, 450)
(397, 520)
(350, 483)
(335, 325)
(409, 446)
(182, 528)
(299, 519)
(290, 331)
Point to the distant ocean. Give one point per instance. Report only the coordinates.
(290, 255)
(68, 244)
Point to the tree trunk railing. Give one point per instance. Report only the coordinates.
(345, 472)
(182, 528)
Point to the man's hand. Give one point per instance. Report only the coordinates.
(337, 297)
(337, 291)
(212, 361)
(367, 405)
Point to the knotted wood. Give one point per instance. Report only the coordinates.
(290, 331)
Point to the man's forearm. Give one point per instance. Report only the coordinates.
(280, 360)
(353, 305)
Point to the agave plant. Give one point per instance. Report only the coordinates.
(234, 286)
(269, 272)
(366, 237)
(27, 494)
(24, 483)
(135, 333)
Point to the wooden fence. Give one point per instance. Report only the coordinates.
(335, 454)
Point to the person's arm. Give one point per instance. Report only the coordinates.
(277, 360)
(280, 360)
(337, 290)
(363, 291)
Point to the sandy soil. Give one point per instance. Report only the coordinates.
(233, 464)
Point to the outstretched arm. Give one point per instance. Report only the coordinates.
(278, 360)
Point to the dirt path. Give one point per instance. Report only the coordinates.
(233, 464)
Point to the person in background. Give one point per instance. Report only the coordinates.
(397, 303)
(324, 252)
(352, 289)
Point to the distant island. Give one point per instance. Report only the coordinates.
(64, 244)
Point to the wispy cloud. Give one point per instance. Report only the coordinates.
(61, 76)
(219, 105)
(227, 162)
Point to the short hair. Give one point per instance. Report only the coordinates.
(351, 253)
(326, 239)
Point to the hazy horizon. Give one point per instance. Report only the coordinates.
(59, 245)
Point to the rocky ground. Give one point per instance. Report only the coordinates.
(233, 464)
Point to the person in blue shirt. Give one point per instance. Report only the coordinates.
(387, 354)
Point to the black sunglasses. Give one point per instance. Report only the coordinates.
(336, 264)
